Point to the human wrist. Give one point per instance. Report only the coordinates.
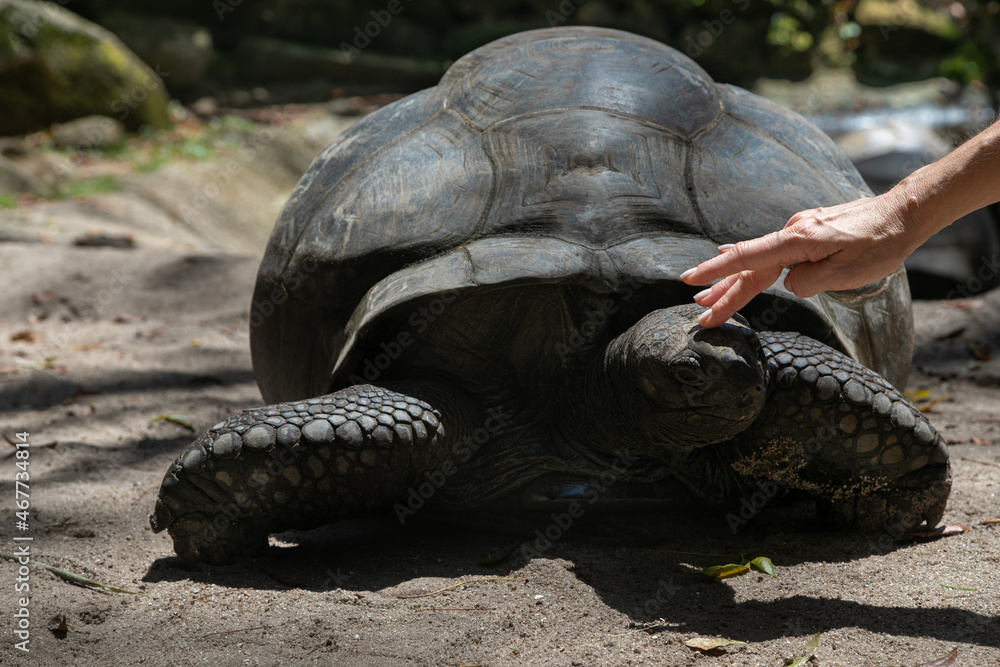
(918, 203)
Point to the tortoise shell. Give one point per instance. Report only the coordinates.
(566, 156)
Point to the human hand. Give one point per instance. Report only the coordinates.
(829, 248)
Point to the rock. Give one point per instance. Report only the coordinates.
(89, 132)
(12, 179)
(181, 49)
(13, 146)
(38, 172)
(205, 107)
(56, 66)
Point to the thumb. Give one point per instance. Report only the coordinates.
(809, 279)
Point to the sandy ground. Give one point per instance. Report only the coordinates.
(97, 342)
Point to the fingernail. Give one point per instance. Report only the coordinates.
(702, 293)
(688, 273)
(725, 246)
(704, 317)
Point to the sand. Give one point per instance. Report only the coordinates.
(96, 343)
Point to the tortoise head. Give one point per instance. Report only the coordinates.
(687, 386)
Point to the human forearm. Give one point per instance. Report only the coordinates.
(855, 243)
(966, 179)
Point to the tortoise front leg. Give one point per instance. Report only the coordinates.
(304, 464)
(840, 432)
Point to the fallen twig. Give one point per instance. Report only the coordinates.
(659, 625)
(320, 645)
(985, 463)
(228, 632)
(72, 578)
(208, 595)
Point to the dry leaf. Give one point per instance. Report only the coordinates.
(979, 441)
(38, 298)
(26, 336)
(934, 533)
(710, 643)
(810, 652)
(979, 352)
(48, 364)
(58, 626)
(990, 522)
(725, 571)
(921, 398)
(80, 391)
(98, 240)
(947, 661)
(926, 407)
(180, 420)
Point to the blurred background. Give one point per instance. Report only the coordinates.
(185, 124)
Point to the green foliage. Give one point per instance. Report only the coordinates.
(786, 30)
(179, 420)
(222, 136)
(968, 64)
(732, 569)
(84, 187)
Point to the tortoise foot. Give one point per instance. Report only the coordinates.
(916, 498)
(845, 436)
(294, 465)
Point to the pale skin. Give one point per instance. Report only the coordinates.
(855, 243)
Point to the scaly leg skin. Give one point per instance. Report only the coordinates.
(840, 432)
(301, 465)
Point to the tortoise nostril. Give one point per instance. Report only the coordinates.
(750, 395)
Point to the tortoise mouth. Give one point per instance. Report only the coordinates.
(727, 414)
(732, 403)
(693, 428)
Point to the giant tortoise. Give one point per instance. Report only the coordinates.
(475, 291)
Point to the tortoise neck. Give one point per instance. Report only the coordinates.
(604, 412)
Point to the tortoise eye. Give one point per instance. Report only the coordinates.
(687, 376)
(687, 370)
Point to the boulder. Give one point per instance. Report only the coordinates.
(56, 66)
(88, 132)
